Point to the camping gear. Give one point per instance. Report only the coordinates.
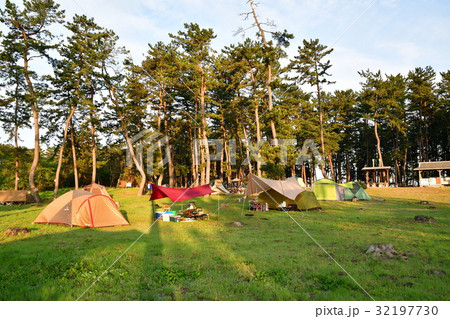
(255, 206)
(279, 194)
(195, 212)
(180, 194)
(355, 190)
(326, 189)
(175, 219)
(22, 197)
(96, 189)
(81, 208)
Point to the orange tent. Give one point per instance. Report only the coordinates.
(96, 189)
(81, 208)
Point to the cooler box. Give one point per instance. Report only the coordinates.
(174, 219)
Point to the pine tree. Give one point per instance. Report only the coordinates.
(313, 70)
(29, 36)
(13, 109)
(195, 64)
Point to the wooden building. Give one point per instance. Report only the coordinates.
(377, 176)
(434, 173)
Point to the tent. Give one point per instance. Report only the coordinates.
(218, 188)
(179, 194)
(96, 189)
(15, 197)
(326, 189)
(355, 190)
(301, 182)
(278, 193)
(81, 208)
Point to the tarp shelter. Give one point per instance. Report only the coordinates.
(355, 190)
(81, 208)
(179, 194)
(96, 189)
(326, 189)
(276, 192)
(22, 197)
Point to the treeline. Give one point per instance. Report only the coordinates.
(248, 96)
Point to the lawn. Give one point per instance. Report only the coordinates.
(269, 258)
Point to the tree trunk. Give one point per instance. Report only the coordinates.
(61, 152)
(330, 161)
(258, 138)
(347, 167)
(16, 155)
(269, 72)
(74, 156)
(93, 149)
(115, 100)
(35, 111)
(247, 151)
(194, 157)
(397, 173)
(404, 167)
(380, 156)
(305, 179)
(204, 128)
(160, 111)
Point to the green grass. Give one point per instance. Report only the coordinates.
(269, 258)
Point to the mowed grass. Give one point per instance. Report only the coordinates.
(269, 258)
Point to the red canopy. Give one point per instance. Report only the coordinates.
(179, 194)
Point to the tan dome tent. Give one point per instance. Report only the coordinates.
(96, 189)
(276, 193)
(81, 208)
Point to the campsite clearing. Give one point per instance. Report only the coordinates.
(268, 258)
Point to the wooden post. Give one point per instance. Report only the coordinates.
(439, 181)
(367, 178)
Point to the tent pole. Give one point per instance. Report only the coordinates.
(153, 210)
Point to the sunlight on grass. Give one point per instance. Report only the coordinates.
(269, 258)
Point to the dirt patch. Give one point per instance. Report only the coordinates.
(14, 231)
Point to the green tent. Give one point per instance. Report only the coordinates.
(281, 193)
(326, 189)
(355, 190)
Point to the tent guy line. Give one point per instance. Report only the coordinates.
(351, 24)
(318, 244)
(118, 258)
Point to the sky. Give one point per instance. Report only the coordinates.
(393, 36)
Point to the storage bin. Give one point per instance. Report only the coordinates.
(175, 219)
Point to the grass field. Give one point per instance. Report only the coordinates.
(269, 258)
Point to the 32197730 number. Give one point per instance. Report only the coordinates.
(406, 311)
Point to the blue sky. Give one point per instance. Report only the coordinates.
(394, 36)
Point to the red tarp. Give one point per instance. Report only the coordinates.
(179, 194)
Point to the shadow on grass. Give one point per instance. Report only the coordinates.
(59, 266)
